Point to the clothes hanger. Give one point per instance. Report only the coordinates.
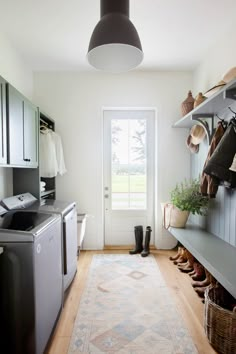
(43, 128)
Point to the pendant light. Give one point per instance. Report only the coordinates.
(115, 45)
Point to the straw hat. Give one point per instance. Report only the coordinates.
(215, 88)
(193, 148)
(197, 134)
(230, 75)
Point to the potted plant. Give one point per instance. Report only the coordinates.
(186, 199)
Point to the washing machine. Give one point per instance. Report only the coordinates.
(31, 291)
(68, 215)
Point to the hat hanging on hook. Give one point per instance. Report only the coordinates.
(196, 136)
(115, 45)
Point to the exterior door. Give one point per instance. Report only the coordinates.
(128, 173)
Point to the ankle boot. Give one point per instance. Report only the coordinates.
(209, 280)
(201, 291)
(183, 258)
(188, 266)
(200, 274)
(174, 258)
(138, 234)
(146, 250)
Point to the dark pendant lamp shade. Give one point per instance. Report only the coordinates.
(115, 45)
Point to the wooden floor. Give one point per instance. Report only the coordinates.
(188, 303)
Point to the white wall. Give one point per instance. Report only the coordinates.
(14, 68)
(75, 101)
(16, 71)
(219, 58)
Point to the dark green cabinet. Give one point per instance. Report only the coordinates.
(3, 133)
(23, 130)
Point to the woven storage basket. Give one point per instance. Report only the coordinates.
(219, 323)
(187, 105)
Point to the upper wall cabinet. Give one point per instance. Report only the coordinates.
(23, 129)
(3, 134)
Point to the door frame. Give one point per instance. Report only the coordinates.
(155, 169)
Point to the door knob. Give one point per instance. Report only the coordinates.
(106, 196)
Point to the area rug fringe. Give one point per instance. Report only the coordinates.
(126, 308)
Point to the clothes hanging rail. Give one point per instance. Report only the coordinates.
(45, 124)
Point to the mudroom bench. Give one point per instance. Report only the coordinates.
(216, 255)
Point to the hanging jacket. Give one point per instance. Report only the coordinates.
(221, 160)
(209, 184)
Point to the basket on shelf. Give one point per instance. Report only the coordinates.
(187, 105)
(219, 322)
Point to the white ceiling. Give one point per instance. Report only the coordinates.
(175, 34)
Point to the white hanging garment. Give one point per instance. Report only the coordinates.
(61, 168)
(48, 160)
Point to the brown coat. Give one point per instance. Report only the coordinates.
(209, 185)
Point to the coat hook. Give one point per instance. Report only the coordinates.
(222, 120)
(231, 110)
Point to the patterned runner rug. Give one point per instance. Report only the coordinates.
(127, 308)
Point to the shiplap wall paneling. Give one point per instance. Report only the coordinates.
(221, 217)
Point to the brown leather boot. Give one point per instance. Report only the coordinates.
(195, 268)
(199, 272)
(188, 266)
(182, 258)
(174, 258)
(204, 282)
(201, 291)
(192, 272)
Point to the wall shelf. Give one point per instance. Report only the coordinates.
(44, 193)
(206, 112)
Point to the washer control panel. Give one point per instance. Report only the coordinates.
(20, 201)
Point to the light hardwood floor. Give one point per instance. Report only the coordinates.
(188, 303)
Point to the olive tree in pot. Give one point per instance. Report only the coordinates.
(186, 199)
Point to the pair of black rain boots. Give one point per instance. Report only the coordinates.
(138, 233)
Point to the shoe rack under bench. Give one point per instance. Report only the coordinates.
(216, 255)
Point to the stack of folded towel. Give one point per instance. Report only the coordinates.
(42, 186)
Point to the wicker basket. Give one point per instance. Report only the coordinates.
(187, 105)
(220, 323)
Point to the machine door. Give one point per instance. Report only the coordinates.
(48, 283)
(70, 246)
(17, 317)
